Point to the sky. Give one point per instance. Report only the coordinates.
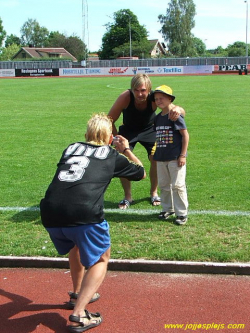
(217, 22)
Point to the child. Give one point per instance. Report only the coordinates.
(171, 151)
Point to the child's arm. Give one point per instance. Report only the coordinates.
(183, 154)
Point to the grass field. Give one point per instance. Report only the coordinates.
(40, 117)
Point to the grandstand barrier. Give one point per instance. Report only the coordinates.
(125, 71)
(36, 72)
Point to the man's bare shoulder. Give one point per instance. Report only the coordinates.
(124, 98)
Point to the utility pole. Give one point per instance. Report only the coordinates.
(85, 28)
(246, 31)
(130, 40)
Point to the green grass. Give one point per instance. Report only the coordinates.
(40, 117)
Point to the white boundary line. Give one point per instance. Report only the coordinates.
(139, 211)
(112, 86)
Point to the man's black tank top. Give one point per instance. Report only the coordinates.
(138, 119)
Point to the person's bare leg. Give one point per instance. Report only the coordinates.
(126, 184)
(77, 270)
(153, 180)
(92, 280)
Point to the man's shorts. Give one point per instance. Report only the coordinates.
(146, 138)
(93, 240)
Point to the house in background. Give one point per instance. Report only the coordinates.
(43, 52)
(93, 57)
(158, 49)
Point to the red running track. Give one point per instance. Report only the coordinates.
(33, 300)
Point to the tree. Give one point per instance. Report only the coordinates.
(12, 39)
(33, 34)
(55, 39)
(177, 25)
(8, 52)
(219, 51)
(237, 49)
(125, 26)
(2, 32)
(199, 46)
(76, 47)
(140, 49)
(72, 44)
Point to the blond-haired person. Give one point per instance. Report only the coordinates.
(72, 210)
(138, 110)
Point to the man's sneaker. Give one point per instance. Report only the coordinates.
(164, 215)
(180, 220)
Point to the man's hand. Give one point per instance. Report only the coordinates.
(175, 112)
(120, 143)
(122, 146)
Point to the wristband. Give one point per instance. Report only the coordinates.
(183, 155)
(125, 150)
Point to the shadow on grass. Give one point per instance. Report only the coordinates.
(31, 214)
(128, 215)
(114, 205)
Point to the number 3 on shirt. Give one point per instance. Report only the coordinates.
(76, 171)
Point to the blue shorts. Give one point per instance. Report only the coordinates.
(93, 240)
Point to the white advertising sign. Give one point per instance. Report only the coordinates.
(122, 71)
(7, 72)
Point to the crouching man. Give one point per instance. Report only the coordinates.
(72, 211)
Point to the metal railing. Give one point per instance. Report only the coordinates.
(167, 62)
(35, 64)
(221, 61)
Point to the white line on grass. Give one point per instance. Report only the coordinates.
(114, 87)
(138, 211)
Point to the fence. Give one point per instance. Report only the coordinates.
(167, 62)
(126, 63)
(35, 64)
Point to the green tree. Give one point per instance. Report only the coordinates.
(140, 49)
(76, 47)
(2, 32)
(9, 51)
(199, 46)
(176, 27)
(237, 49)
(218, 52)
(33, 34)
(55, 39)
(125, 26)
(12, 39)
(72, 44)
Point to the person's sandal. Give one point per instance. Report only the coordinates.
(74, 296)
(90, 320)
(125, 204)
(155, 200)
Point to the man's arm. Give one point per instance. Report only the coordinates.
(122, 146)
(175, 112)
(116, 110)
